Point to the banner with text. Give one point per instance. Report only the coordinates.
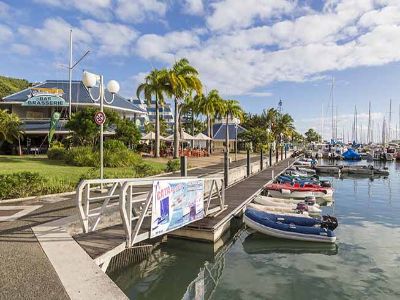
(176, 203)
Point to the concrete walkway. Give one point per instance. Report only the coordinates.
(25, 271)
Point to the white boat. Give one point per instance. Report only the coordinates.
(274, 202)
(286, 193)
(287, 211)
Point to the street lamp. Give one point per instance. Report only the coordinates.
(90, 80)
(269, 146)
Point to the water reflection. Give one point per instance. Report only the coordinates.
(256, 243)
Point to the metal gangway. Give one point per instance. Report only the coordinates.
(133, 197)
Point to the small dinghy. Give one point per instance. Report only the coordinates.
(267, 201)
(284, 210)
(297, 191)
(291, 227)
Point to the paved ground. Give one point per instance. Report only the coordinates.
(25, 272)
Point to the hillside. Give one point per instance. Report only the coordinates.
(10, 85)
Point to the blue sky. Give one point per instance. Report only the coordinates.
(256, 51)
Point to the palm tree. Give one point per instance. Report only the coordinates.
(182, 80)
(231, 108)
(10, 128)
(155, 84)
(210, 106)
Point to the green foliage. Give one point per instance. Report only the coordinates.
(312, 136)
(10, 85)
(56, 153)
(24, 184)
(82, 156)
(127, 132)
(87, 132)
(149, 127)
(257, 136)
(143, 169)
(173, 165)
(10, 126)
(114, 145)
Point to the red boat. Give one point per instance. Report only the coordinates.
(297, 191)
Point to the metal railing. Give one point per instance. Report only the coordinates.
(134, 208)
(134, 196)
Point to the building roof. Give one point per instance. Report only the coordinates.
(219, 131)
(80, 95)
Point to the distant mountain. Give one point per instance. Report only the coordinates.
(9, 85)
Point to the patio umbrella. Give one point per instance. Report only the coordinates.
(151, 136)
(202, 137)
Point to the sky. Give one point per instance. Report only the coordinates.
(255, 51)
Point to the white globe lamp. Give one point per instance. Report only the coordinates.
(113, 86)
(89, 79)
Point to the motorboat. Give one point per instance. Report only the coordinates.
(275, 202)
(302, 180)
(364, 170)
(297, 191)
(286, 210)
(291, 227)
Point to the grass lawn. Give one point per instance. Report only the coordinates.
(58, 171)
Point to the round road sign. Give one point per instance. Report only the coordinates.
(99, 118)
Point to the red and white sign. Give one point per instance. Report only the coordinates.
(99, 118)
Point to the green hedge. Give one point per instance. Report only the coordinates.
(173, 165)
(25, 184)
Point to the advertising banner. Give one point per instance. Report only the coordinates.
(176, 203)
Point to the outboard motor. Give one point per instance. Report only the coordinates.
(325, 183)
(329, 222)
(301, 207)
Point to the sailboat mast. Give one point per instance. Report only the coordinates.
(322, 122)
(369, 124)
(390, 120)
(333, 124)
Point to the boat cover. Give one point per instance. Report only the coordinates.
(350, 154)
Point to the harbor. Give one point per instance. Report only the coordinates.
(367, 211)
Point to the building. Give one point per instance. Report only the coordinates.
(36, 105)
(165, 111)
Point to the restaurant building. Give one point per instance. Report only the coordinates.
(36, 105)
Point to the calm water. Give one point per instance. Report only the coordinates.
(364, 263)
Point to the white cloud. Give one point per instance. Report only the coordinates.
(4, 10)
(193, 7)
(242, 60)
(259, 94)
(97, 8)
(233, 14)
(20, 49)
(5, 34)
(112, 38)
(139, 10)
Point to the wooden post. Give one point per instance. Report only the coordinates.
(248, 162)
(281, 152)
(261, 160)
(285, 152)
(183, 166)
(226, 169)
(270, 155)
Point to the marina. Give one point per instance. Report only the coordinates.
(352, 267)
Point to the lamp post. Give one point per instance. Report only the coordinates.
(236, 137)
(90, 80)
(269, 146)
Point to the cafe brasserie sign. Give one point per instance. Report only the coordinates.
(45, 97)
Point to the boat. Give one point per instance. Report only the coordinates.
(327, 169)
(309, 162)
(351, 154)
(298, 192)
(364, 170)
(302, 180)
(291, 227)
(258, 243)
(284, 210)
(276, 202)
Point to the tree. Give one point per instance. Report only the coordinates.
(231, 108)
(155, 84)
(182, 80)
(312, 136)
(87, 132)
(127, 132)
(257, 136)
(149, 127)
(210, 106)
(10, 85)
(284, 127)
(10, 128)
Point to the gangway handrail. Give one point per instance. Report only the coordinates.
(110, 190)
(214, 192)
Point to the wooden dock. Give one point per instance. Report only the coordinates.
(104, 243)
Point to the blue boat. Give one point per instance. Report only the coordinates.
(291, 227)
(350, 154)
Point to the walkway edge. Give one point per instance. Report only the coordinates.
(80, 276)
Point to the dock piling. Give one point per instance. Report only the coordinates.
(261, 160)
(248, 162)
(226, 169)
(183, 166)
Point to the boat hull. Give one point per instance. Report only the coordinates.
(283, 193)
(285, 234)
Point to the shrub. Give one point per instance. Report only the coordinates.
(82, 156)
(56, 153)
(144, 169)
(173, 165)
(114, 145)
